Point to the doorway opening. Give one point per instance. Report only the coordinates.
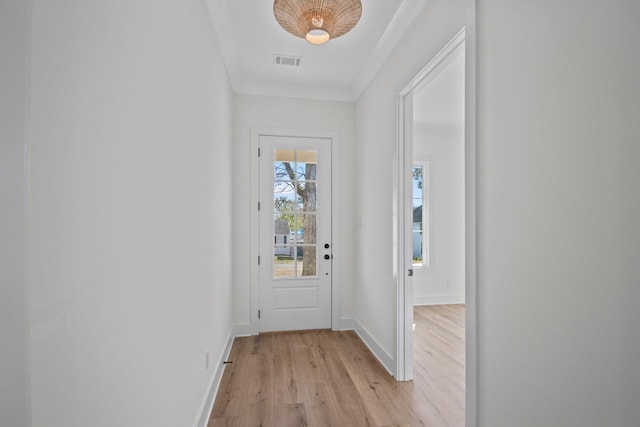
(436, 220)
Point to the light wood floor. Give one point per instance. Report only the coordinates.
(325, 378)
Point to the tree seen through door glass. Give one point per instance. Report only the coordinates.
(304, 158)
(295, 207)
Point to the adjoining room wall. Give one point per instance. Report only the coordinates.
(443, 281)
(291, 113)
(130, 212)
(439, 139)
(14, 82)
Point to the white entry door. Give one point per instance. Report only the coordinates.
(294, 233)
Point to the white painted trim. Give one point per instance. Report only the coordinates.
(471, 275)
(403, 224)
(336, 250)
(334, 136)
(439, 300)
(374, 346)
(439, 58)
(204, 413)
(254, 249)
(403, 250)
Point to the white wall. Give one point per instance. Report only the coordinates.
(558, 206)
(443, 281)
(14, 78)
(558, 209)
(290, 113)
(376, 127)
(129, 212)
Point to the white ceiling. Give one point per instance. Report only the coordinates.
(249, 37)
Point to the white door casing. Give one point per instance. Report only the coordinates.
(294, 233)
(404, 184)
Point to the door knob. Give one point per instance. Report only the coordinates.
(327, 256)
(326, 246)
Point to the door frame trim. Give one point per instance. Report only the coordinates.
(404, 323)
(401, 185)
(256, 133)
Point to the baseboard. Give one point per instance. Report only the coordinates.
(207, 404)
(345, 324)
(439, 300)
(378, 351)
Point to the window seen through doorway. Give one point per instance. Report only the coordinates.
(420, 226)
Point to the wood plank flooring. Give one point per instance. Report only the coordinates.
(325, 378)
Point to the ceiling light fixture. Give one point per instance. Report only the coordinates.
(318, 21)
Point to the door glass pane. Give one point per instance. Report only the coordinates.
(295, 207)
(282, 231)
(284, 202)
(283, 263)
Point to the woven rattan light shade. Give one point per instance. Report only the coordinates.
(317, 20)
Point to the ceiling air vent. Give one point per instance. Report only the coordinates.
(292, 61)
